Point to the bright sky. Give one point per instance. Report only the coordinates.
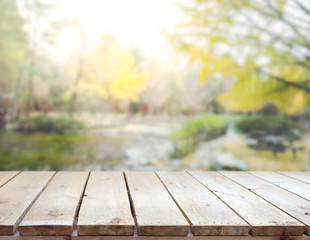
(137, 22)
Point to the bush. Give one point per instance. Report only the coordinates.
(41, 151)
(193, 132)
(278, 126)
(270, 109)
(44, 124)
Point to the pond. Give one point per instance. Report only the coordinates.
(132, 147)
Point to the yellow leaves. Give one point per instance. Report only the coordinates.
(213, 64)
(298, 104)
(245, 95)
(127, 88)
(112, 73)
(216, 39)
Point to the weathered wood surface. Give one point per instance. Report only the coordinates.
(6, 176)
(153, 238)
(207, 214)
(17, 196)
(301, 176)
(54, 211)
(149, 206)
(295, 186)
(264, 218)
(105, 209)
(290, 203)
(155, 210)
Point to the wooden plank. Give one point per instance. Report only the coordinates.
(54, 211)
(301, 176)
(7, 176)
(249, 237)
(155, 211)
(207, 214)
(17, 196)
(264, 218)
(105, 209)
(36, 238)
(299, 188)
(193, 238)
(292, 204)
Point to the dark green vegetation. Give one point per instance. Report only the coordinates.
(40, 151)
(50, 143)
(193, 132)
(272, 125)
(44, 124)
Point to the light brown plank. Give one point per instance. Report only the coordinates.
(301, 176)
(7, 176)
(295, 186)
(285, 200)
(54, 211)
(264, 218)
(105, 209)
(17, 196)
(154, 238)
(155, 210)
(207, 214)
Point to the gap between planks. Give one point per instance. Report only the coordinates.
(7, 176)
(286, 201)
(133, 213)
(264, 218)
(9, 222)
(206, 213)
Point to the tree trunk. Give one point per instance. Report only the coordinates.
(17, 92)
(79, 73)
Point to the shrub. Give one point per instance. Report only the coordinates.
(271, 125)
(193, 132)
(270, 109)
(40, 151)
(44, 124)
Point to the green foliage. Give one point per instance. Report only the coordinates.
(270, 110)
(278, 126)
(39, 151)
(45, 124)
(12, 44)
(193, 132)
(237, 40)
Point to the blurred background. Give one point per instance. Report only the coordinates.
(154, 85)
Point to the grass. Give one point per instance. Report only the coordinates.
(40, 151)
(265, 161)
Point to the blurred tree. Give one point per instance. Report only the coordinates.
(12, 49)
(79, 69)
(111, 72)
(41, 29)
(263, 44)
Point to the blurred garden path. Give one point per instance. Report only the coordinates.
(145, 144)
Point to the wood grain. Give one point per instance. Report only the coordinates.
(154, 238)
(264, 218)
(286, 201)
(17, 196)
(105, 209)
(155, 211)
(207, 214)
(301, 176)
(295, 186)
(7, 176)
(54, 211)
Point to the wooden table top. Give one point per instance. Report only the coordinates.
(154, 205)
